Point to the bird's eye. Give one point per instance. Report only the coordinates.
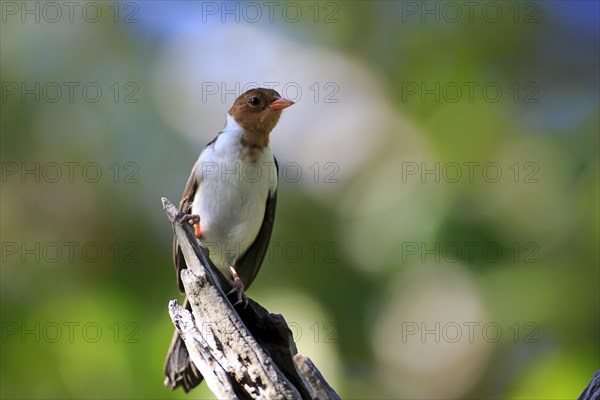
(254, 101)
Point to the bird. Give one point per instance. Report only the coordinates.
(230, 198)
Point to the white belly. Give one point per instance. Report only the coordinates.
(230, 201)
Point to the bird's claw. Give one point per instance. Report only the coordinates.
(238, 287)
(193, 219)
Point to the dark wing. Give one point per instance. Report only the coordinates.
(249, 263)
(184, 206)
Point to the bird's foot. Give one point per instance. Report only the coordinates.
(193, 219)
(238, 287)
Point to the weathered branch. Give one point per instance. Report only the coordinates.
(243, 352)
(592, 391)
(213, 372)
(321, 389)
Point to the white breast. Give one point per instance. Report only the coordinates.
(231, 195)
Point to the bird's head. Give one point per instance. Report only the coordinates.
(257, 112)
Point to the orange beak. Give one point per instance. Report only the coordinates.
(280, 104)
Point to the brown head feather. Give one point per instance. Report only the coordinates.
(253, 112)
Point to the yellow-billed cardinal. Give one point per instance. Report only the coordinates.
(230, 197)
